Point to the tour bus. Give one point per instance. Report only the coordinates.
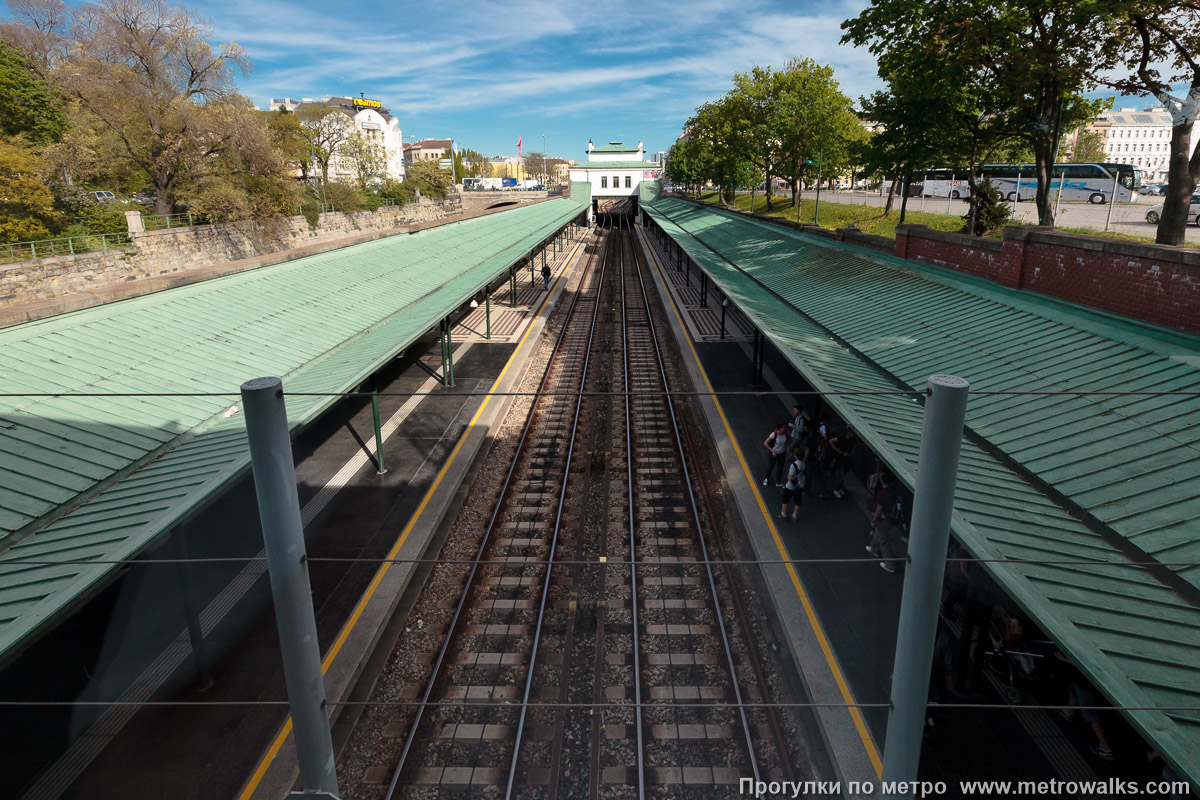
(1091, 182)
(940, 183)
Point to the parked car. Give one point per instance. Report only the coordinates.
(145, 198)
(102, 196)
(1154, 214)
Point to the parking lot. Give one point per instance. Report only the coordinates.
(1126, 217)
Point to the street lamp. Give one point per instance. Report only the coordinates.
(545, 173)
(817, 206)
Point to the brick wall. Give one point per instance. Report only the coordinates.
(165, 252)
(1153, 283)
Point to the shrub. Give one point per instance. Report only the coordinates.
(991, 213)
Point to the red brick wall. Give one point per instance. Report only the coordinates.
(1156, 284)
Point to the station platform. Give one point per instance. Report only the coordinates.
(351, 513)
(841, 617)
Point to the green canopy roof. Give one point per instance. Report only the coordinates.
(1043, 477)
(101, 477)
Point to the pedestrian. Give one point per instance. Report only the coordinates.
(885, 534)
(546, 276)
(776, 444)
(1083, 698)
(796, 429)
(841, 461)
(814, 463)
(793, 490)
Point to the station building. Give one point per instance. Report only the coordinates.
(614, 172)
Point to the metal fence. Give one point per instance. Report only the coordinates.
(161, 222)
(44, 248)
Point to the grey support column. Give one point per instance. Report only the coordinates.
(487, 312)
(283, 535)
(380, 466)
(933, 503)
(191, 609)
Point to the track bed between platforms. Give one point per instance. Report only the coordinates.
(582, 550)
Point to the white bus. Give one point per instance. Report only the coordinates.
(1091, 182)
(940, 183)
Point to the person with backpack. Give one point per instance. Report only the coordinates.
(793, 490)
(776, 444)
(546, 276)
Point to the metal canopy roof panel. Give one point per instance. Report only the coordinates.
(127, 468)
(614, 147)
(617, 165)
(1034, 466)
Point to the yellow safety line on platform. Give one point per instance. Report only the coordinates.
(826, 649)
(284, 732)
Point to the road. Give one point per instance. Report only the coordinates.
(1126, 217)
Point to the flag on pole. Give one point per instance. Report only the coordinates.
(518, 144)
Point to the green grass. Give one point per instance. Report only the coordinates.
(1128, 237)
(867, 219)
(871, 220)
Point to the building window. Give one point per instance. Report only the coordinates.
(627, 183)
(603, 181)
(616, 181)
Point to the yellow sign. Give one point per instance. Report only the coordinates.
(361, 103)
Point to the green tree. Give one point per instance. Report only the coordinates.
(432, 180)
(535, 165)
(1158, 42)
(988, 213)
(28, 107)
(325, 129)
(472, 163)
(1089, 147)
(158, 94)
(364, 156)
(1039, 56)
(26, 204)
(288, 139)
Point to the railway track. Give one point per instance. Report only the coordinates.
(589, 651)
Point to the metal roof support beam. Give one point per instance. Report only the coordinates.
(380, 466)
(190, 612)
(487, 312)
(512, 286)
(933, 504)
(283, 534)
(704, 290)
(760, 347)
(446, 334)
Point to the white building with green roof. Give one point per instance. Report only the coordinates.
(615, 171)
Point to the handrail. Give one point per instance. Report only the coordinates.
(69, 245)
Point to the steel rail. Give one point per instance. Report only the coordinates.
(633, 582)
(744, 621)
(485, 541)
(562, 498)
(712, 583)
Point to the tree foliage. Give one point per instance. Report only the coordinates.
(1157, 42)
(990, 212)
(26, 204)
(1026, 63)
(324, 129)
(364, 156)
(432, 180)
(28, 107)
(1089, 148)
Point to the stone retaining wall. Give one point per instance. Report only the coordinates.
(183, 249)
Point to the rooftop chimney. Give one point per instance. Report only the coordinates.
(589, 145)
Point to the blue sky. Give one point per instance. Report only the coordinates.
(486, 72)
